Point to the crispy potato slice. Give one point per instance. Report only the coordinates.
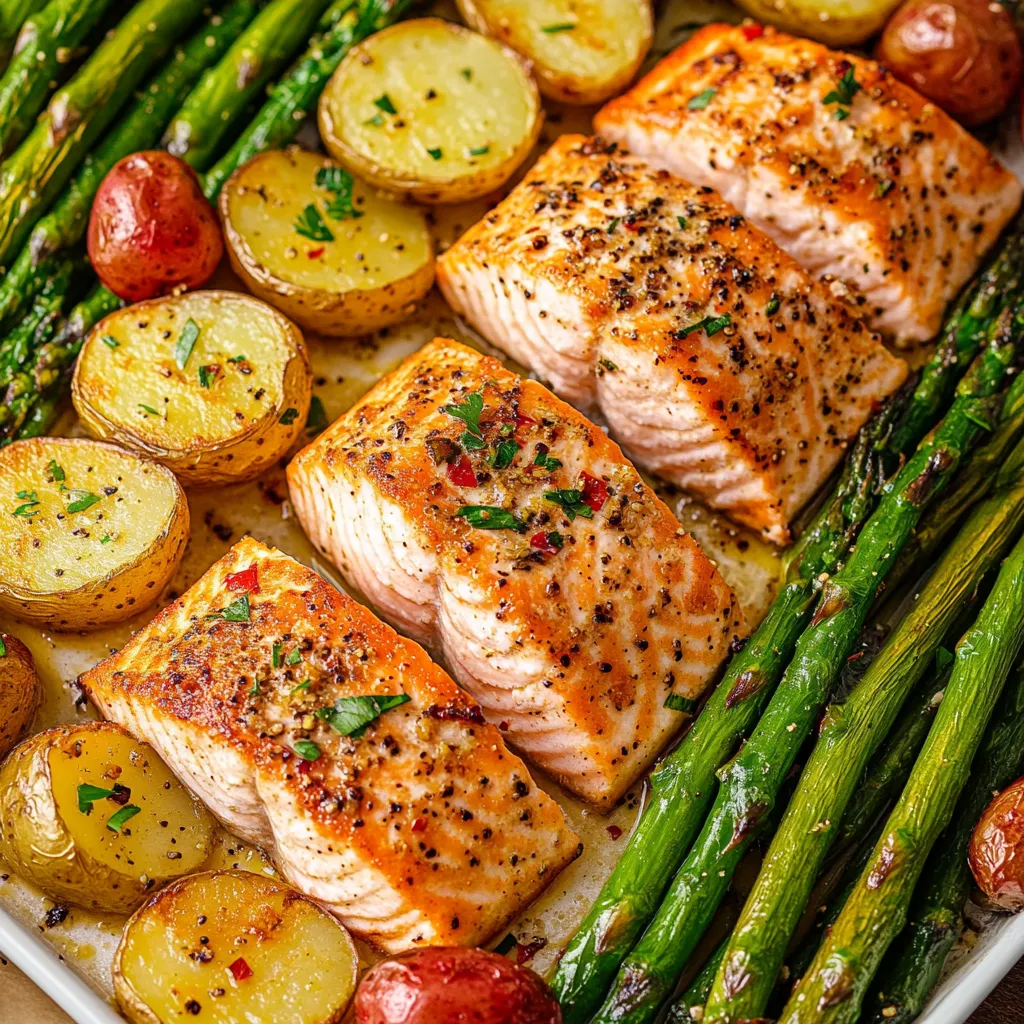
(20, 691)
(90, 534)
(431, 110)
(230, 946)
(582, 51)
(213, 384)
(364, 263)
(61, 830)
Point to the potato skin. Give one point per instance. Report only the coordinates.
(453, 986)
(20, 692)
(832, 22)
(151, 229)
(996, 851)
(964, 55)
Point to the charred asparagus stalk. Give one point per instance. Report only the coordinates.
(749, 786)
(683, 789)
(837, 980)
(12, 16)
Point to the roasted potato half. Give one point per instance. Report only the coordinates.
(582, 51)
(431, 110)
(90, 535)
(228, 946)
(213, 384)
(833, 22)
(20, 691)
(95, 818)
(330, 252)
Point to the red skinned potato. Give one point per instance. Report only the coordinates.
(996, 853)
(151, 229)
(963, 55)
(453, 986)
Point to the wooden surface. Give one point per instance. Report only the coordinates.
(23, 1003)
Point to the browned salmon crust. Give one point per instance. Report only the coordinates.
(718, 362)
(853, 173)
(573, 622)
(422, 830)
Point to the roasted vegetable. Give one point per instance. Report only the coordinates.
(442, 986)
(964, 55)
(580, 52)
(89, 533)
(834, 22)
(215, 385)
(322, 247)
(95, 818)
(229, 946)
(151, 230)
(20, 691)
(431, 110)
(996, 851)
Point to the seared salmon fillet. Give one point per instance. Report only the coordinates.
(717, 361)
(494, 523)
(853, 173)
(311, 728)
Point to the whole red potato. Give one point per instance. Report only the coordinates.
(453, 986)
(996, 852)
(963, 55)
(151, 229)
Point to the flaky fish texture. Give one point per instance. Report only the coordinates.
(853, 173)
(263, 687)
(718, 362)
(493, 522)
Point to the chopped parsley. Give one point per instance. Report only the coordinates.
(607, 365)
(842, 113)
(106, 538)
(468, 411)
(148, 408)
(435, 154)
(479, 150)
(237, 611)
(504, 454)
(885, 186)
(301, 687)
(340, 183)
(289, 416)
(677, 702)
(846, 88)
(711, 325)
(350, 716)
(471, 442)
(88, 795)
(238, 359)
(542, 458)
(118, 820)
(701, 100)
(207, 375)
(275, 655)
(3, 647)
(81, 500)
(56, 472)
(376, 120)
(311, 225)
(613, 224)
(489, 517)
(772, 306)
(185, 343)
(307, 750)
(384, 103)
(31, 506)
(682, 222)
(294, 657)
(562, 26)
(571, 502)
(316, 420)
(110, 341)
(254, 690)
(467, 74)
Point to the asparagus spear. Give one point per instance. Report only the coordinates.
(683, 789)
(139, 128)
(750, 784)
(837, 980)
(912, 967)
(12, 16)
(696, 994)
(40, 167)
(849, 736)
(348, 22)
(46, 43)
(258, 54)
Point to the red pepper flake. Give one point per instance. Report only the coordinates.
(595, 492)
(526, 951)
(856, 657)
(419, 825)
(240, 970)
(304, 767)
(522, 420)
(751, 32)
(503, 726)
(244, 582)
(315, 254)
(461, 473)
(542, 542)
(614, 831)
(632, 224)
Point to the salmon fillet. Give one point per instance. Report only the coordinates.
(493, 522)
(421, 829)
(717, 361)
(854, 174)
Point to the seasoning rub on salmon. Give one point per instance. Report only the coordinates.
(311, 728)
(718, 362)
(853, 173)
(493, 522)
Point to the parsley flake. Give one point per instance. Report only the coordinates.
(3, 647)
(677, 702)
(311, 225)
(563, 26)
(435, 154)
(384, 103)
(542, 458)
(275, 655)
(468, 411)
(289, 416)
(27, 511)
(490, 517)
(350, 716)
(701, 100)
(207, 375)
(307, 750)
(185, 343)
(149, 409)
(480, 150)
(613, 224)
(106, 538)
(846, 88)
(467, 74)
(294, 657)
(471, 442)
(711, 325)
(238, 359)
(254, 690)
(504, 454)
(772, 306)
(316, 419)
(340, 183)
(237, 611)
(81, 500)
(682, 222)
(301, 687)
(110, 341)
(56, 472)
(884, 187)
(571, 502)
(118, 820)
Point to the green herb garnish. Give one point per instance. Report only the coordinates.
(435, 154)
(110, 341)
(885, 186)
(149, 409)
(254, 690)
(56, 472)
(301, 687)
(543, 459)
(351, 715)
(711, 325)
(701, 100)
(316, 419)
(339, 182)
(237, 611)
(489, 517)
(289, 416)
(479, 150)
(294, 657)
(613, 224)
(88, 795)
(207, 375)
(467, 74)
(311, 225)
(118, 819)
(677, 702)
(504, 454)
(3, 647)
(185, 343)
(81, 500)
(307, 750)
(27, 511)
(275, 655)
(468, 411)
(562, 26)
(846, 88)
(571, 502)
(384, 103)
(772, 306)
(106, 538)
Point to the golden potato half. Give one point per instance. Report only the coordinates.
(95, 818)
(330, 252)
(833, 22)
(214, 384)
(431, 110)
(582, 51)
(90, 535)
(229, 946)
(20, 691)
